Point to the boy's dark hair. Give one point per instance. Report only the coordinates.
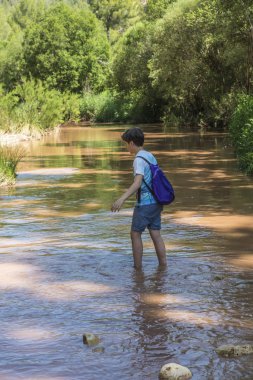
(134, 134)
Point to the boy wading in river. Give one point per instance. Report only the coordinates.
(147, 211)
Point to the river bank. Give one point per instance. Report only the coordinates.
(35, 133)
(13, 150)
(14, 138)
(11, 139)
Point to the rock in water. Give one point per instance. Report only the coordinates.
(98, 349)
(90, 339)
(173, 371)
(230, 350)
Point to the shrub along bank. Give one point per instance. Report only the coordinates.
(31, 109)
(241, 131)
(9, 158)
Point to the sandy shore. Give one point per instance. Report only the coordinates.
(13, 138)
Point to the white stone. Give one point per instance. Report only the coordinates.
(173, 371)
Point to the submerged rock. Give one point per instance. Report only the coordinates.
(90, 339)
(231, 350)
(98, 349)
(173, 371)
(218, 278)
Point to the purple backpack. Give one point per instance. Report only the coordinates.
(161, 189)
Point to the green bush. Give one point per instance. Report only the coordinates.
(99, 107)
(241, 131)
(246, 162)
(113, 107)
(38, 106)
(9, 158)
(8, 102)
(71, 103)
(31, 106)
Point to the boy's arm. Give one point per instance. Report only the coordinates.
(130, 191)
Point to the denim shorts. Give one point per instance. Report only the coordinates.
(147, 216)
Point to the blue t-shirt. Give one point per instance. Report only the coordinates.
(142, 167)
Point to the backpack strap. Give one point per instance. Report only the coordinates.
(149, 188)
(143, 159)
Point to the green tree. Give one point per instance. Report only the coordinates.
(130, 58)
(26, 11)
(155, 9)
(200, 59)
(14, 18)
(10, 50)
(131, 74)
(11, 61)
(4, 26)
(116, 15)
(237, 21)
(67, 49)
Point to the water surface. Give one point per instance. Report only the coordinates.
(66, 262)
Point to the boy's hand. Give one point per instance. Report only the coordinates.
(116, 206)
(132, 189)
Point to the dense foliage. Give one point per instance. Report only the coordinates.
(177, 61)
(31, 105)
(116, 15)
(241, 130)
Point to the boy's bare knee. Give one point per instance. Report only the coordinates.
(155, 234)
(135, 235)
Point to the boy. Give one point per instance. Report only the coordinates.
(147, 212)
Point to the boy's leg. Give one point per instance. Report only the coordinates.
(137, 248)
(159, 246)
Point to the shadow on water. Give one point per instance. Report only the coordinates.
(66, 265)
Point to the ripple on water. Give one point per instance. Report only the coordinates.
(66, 267)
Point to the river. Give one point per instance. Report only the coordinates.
(66, 263)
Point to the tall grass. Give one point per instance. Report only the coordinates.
(9, 158)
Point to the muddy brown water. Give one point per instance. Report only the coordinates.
(66, 263)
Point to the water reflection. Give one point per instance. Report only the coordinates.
(66, 261)
(151, 335)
